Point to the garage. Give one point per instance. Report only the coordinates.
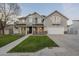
(55, 30)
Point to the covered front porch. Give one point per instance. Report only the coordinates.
(38, 29)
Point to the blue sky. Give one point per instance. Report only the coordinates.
(70, 10)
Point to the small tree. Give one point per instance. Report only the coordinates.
(7, 10)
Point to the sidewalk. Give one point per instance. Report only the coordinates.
(9, 46)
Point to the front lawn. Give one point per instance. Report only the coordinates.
(33, 44)
(5, 39)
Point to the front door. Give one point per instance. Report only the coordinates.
(30, 30)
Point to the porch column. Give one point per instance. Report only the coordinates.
(20, 30)
(26, 30)
(32, 30)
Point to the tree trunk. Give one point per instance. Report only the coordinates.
(0, 31)
(3, 27)
(3, 31)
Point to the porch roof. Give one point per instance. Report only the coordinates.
(38, 25)
(20, 25)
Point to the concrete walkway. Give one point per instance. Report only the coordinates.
(6, 48)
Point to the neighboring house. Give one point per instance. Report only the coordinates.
(10, 29)
(74, 28)
(55, 23)
(10, 26)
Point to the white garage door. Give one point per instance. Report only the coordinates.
(58, 30)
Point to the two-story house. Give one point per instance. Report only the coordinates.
(55, 23)
(31, 24)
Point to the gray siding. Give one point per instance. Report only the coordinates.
(63, 21)
(31, 19)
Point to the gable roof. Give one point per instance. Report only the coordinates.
(58, 13)
(44, 16)
(24, 17)
(35, 13)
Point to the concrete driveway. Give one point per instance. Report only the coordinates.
(69, 44)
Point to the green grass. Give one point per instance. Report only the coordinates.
(5, 39)
(33, 44)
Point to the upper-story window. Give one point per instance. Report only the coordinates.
(56, 20)
(30, 19)
(36, 20)
(23, 20)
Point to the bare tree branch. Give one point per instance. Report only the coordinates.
(7, 10)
